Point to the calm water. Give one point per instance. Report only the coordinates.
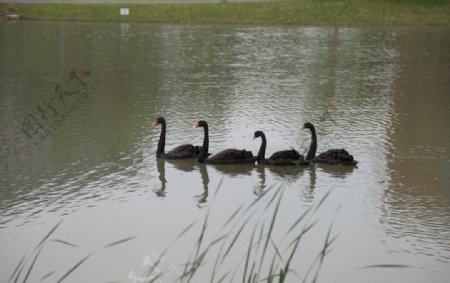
(77, 145)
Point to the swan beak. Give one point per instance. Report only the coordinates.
(195, 125)
(155, 123)
(302, 127)
(254, 137)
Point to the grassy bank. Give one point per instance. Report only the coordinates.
(308, 12)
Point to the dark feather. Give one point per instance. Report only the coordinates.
(285, 154)
(183, 151)
(335, 156)
(232, 156)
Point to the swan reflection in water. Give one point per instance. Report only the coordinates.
(290, 175)
(202, 199)
(260, 188)
(225, 170)
(160, 166)
(187, 165)
(184, 165)
(283, 174)
(339, 171)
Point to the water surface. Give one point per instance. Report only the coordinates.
(78, 99)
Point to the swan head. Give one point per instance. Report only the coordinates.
(200, 123)
(306, 125)
(257, 134)
(159, 120)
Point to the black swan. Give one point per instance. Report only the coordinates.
(182, 151)
(227, 156)
(332, 156)
(284, 157)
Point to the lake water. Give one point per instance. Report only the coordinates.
(78, 147)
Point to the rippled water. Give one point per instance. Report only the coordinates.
(381, 93)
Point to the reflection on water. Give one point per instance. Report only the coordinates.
(203, 198)
(160, 165)
(381, 93)
(416, 205)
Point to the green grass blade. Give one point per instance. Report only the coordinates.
(298, 221)
(47, 275)
(118, 242)
(271, 276)
(216, 262)
(311, 268)
(202, 234)
(303, 232)
(235, 239)
(272, 224)
(37, 250)
(260, 239)
(386, 266)
(276, 250)
(156, 277)
(65, 243)
(185, 230)
(74, 268)
(223, 277)
(216, 241)
(48, 235)
(252, 274)
(154, 266)
(196, 264)
(273, 198)
(328, 242)
(185, 270)
(322, 200)
(233, 215)
(199, 260)
(258, 199)
(286, 269)
(324, 252)
(32, 264)
(219, 186)
(191, 268)
(18, 274)
(250, 247)
(17, 268)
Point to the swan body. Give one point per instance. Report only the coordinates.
(332, 156)
(179, 152)
(335, 156)
(283, 157)
(227, 156)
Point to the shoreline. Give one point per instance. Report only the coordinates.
(300, 12)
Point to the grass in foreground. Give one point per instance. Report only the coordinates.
(307, 12)
(260, 258)
(25, 266)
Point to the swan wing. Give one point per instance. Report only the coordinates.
(285, 154)
(232, 156)
(336, 156)
(183, 151)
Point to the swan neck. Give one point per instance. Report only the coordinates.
(204, 154)
(313, 147)
(262, 149)
(162, 139)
